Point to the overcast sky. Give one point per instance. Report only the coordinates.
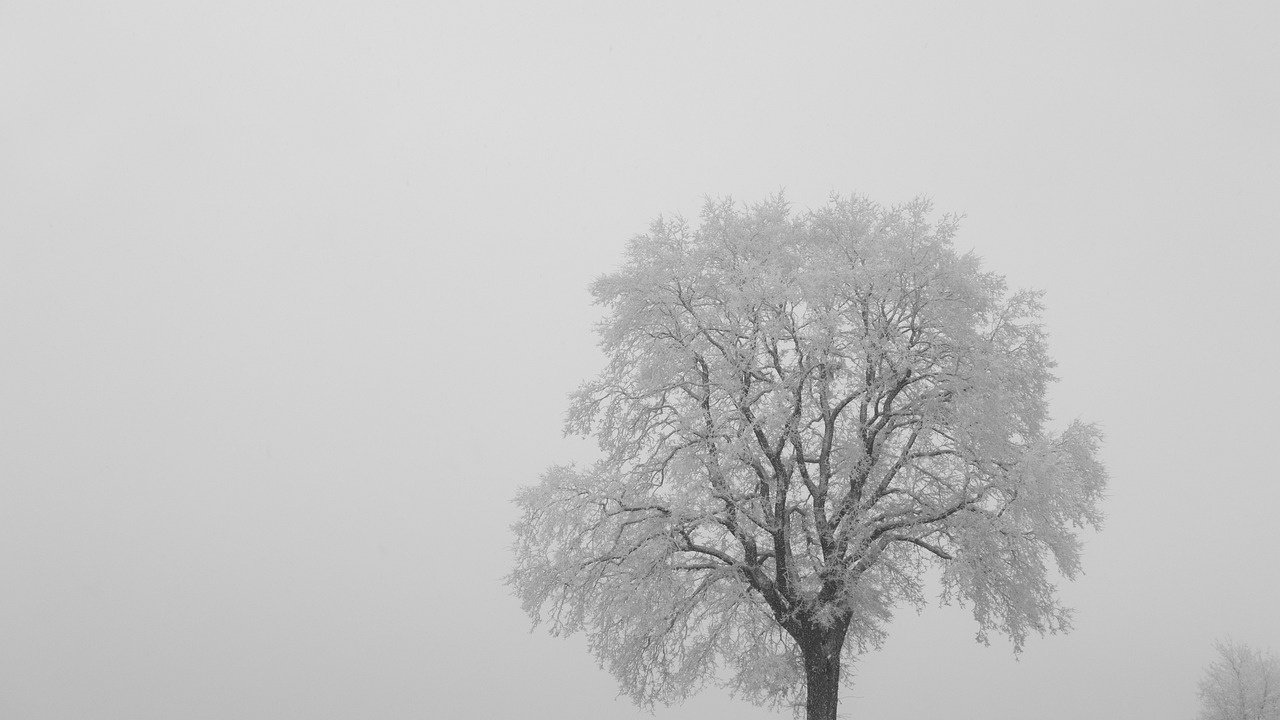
(292, 296)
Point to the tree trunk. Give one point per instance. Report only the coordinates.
(822, 673)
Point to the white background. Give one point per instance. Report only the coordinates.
(292, 295)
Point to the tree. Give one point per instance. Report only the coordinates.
(1242, 684)
(801, 414)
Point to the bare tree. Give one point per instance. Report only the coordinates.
(1242, 684)
(800, 415)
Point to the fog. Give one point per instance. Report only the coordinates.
(292, 296)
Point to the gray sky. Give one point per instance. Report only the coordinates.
(292, 295)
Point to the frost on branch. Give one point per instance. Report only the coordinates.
(800, 415)
(1242, 684)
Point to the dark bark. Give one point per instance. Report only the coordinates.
(821, 649)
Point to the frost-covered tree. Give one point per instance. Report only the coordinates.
(801, 414)
(1242, 684)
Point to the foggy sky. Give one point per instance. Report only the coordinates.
(292, 296)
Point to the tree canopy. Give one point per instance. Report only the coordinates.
(1242, 684)
(801, 414)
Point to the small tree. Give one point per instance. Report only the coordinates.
(1242, 684)
(799, 416)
